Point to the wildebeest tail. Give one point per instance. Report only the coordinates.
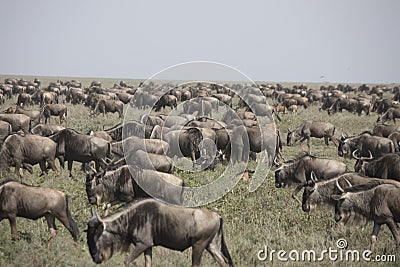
(72, 223)
(224, 248)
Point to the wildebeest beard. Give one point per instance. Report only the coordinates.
(355, 210)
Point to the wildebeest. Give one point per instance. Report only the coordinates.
(28, 149)
(319, 192)
(129, 182)
(73, 146)
(48, 98)
(151, 161)
(24, 99)
(46, 129)
(54, 110)
(166, 101)
(376, 201)
(21, 200)
(386, 167)
(390, 114)
(298, 171)
(366, 144)
(33, 114)
(17, 122)
(309, 129)
(104, 106)
(384, 130)
(149, 223)
(131, 144)
(395, 137)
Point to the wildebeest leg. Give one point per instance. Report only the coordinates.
(70, 167)
(395, 233)
(139, 249)
(51, 223)
(12, 218)
(52, 164)
(212, 248)
(197, 252)
(147, 257)
(17, 169)
(375, 232)
(326, 138)
(42, 165)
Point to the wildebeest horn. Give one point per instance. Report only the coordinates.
(348, 182)
(313, 177)
(362, 158)
(339, 187)
(289, 131)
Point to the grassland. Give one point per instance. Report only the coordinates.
(267, 216)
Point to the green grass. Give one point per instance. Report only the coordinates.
(267, 216)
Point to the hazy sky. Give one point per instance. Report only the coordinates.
(281, 41)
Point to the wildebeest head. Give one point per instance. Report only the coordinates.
(311, 195)
(283, 172)
(346, 145)
(361, 160)
(100, 242)
(292, 137)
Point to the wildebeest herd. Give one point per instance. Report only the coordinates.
(133, 163)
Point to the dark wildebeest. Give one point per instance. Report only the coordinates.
(376, 201)
(29, 149)
(73, 146)
(46, 129)
(366, 145)
(54, 110)
(20, 200)
(129, 182)
(390, 114)
(149, 223)
(24, 99)
(104, 106)
(17, 122)
(309, 129)
(385, 167)
(384, 130)
(166, 101)
(348, 104)
(319, 192)
(299, 170)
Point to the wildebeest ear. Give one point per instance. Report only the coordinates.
(336, 197)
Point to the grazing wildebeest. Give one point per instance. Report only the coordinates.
(73, 146)
(376, 201)
(309, 129)
(129, 182)
(299, 170)
(319, 192)
(149, 223)
(28, 149)
(54, 110)
(21, 200)
(166, 101)
(366, 145)
(390, 114)
(33, 114)
(17, 122)
(129, 128)
(104, 106)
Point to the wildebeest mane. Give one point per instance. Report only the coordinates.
(365, 187)
(300, 156)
